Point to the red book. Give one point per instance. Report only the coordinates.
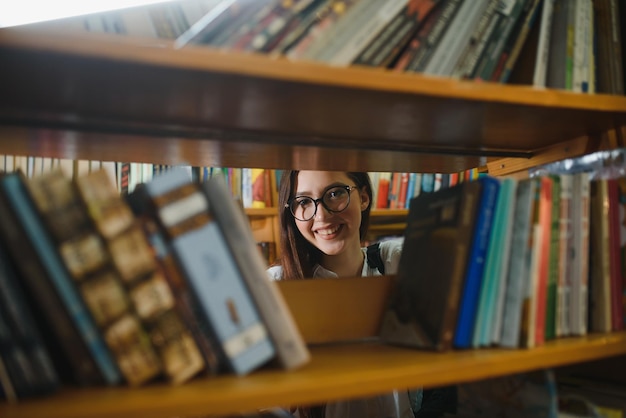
(383, 194)
(404, 186)
(545, 222)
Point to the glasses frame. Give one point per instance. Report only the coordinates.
(320, 200)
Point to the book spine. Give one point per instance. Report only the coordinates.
(580, 255)
(211, 272)
(474, 276)
(66, 344)
(543, 48)
(17, 195)
(290, 346)
(518, 277)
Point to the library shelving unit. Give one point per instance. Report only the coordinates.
(113, 98)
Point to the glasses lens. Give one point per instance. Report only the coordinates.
(302, 208)
(337, 198)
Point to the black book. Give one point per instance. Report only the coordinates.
(423, 308)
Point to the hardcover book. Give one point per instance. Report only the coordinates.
(422, 311)
(211, 272)
(151, 299)
(235, 227)
(94, 273)
(18, 198)
(469, 307)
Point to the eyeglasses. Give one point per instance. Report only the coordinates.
(336, 199)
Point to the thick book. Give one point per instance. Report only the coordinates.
(600, 258)
(22, 347)
(498, 259)
(14, 191)
(422, 311)
(578, 259)
(67, 348)
(469, 305)
(144, 282)
(183, 298)
(517, 281)
(235, 227)
(209, 268)
(90, 260)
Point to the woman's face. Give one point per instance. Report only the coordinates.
(331, 232)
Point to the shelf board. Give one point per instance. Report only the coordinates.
(335, 372)
(108, 97)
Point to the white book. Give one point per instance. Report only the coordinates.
(291, 348)
(366, 33)
(9, 163)
(67, 166)
(332, 39)
(110, 168)
(451, 47)
(503, 225)
(565, 249)
(518, 278)
(543, 48)
(579, 256)
(581, 29)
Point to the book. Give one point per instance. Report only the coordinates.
(517, 281)
(469, 304)
(554, 259)
(183, 299)
(579, 256)
(211, 272)
(453, 42)
(144, 282)
(235, 227)
(600, 259)
(22, 347)
(392, 39)
(498, 259)
(513, 49)
(565, 249)
(423, 308)
(93, 265)
(616, 262)
(18, 200)
(544, 44)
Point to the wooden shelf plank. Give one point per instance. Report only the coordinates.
(105, 97)
(336, 372)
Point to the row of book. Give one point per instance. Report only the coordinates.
(253, 187)
(565, 44)
(394, 190)
(514, 263)
(464, 39)
(166, 282)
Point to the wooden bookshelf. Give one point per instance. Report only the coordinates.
(337, 371)
(97, 96)
(106, 97)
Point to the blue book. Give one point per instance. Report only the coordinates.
(496, 266)
(211, 272)
(18, 198)
(476, 262)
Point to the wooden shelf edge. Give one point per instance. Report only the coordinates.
(336, 372)
(203, 58)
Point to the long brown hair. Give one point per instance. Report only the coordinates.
(298, 256)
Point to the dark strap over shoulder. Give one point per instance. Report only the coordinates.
(374, 260)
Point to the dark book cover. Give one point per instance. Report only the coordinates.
(424, 305)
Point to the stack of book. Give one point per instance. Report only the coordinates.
(513, 263)
(102, 289)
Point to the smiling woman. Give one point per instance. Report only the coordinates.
(325, 215)
(24, 12)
